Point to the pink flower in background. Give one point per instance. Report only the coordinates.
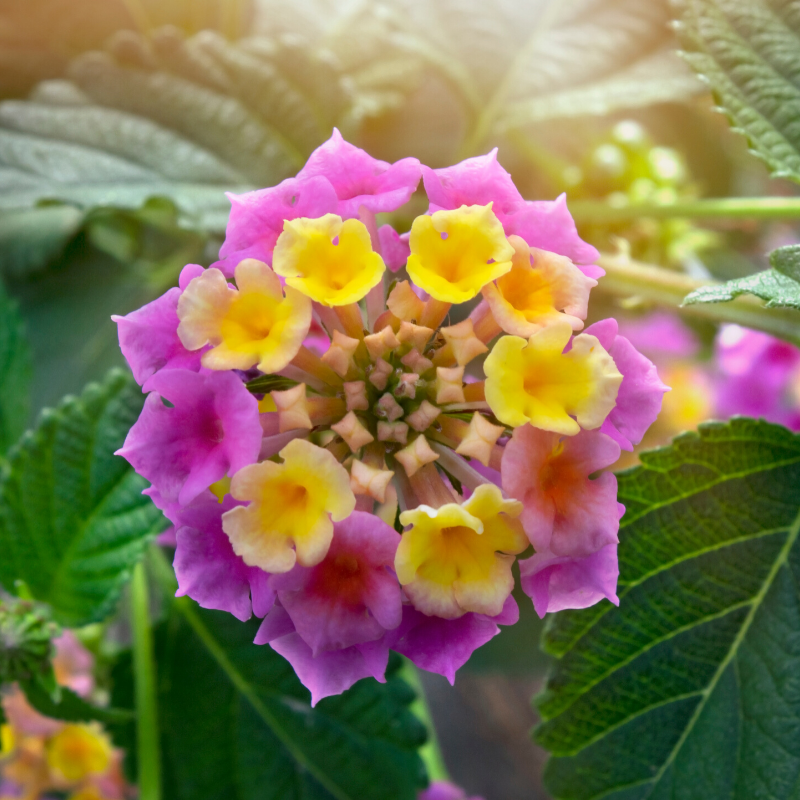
(444, 790)
(758, 376)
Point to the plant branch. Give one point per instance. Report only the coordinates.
(664, 287)
(600, 212)
(147, 737)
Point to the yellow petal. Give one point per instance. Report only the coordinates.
(454, 254)
(290, 504)
(327, 259)
(457, 558)
(536, 382)
(532, 296)
(254, 324)
(78, 751)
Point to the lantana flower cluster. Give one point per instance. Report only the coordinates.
(43, 758)
(356, 432)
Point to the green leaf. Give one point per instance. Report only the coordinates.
(749, 53)
(510, 65)
(786, 260)
(15, 373)
(71, 707)
(689, 688)
(776, 288)
(73, 521)
(236, 722)
(164, 116)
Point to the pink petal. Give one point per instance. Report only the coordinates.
(148, 338)
(256, 219)
(555, 583)
(445, 645)
(359, 179)
(395, 248)
(641, 392)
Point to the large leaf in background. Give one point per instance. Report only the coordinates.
(73, 521)
(512, 64)
(748, 51)
(167, 116)
(15, 373)
(689, 689)
(37, 37)
(236, 722)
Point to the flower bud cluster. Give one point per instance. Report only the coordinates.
(360, 461)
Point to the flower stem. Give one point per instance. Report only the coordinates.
(430, 752)
(600, 212)
(147, 737)
(664, 287)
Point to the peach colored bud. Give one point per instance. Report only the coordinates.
(416, 455)
(369, 480)
(393, 432)
(423, 417)
(416, 362)
(380, 375)
(415, 335)
(356, 396)
(465, 344)
(407, 386)
(379, 344)
(404, 303)
(292, 409)
(389, 407)
(449, 385)
(339, 356)
(353, 432)
(480, 438)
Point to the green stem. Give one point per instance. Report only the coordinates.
(600, 212)
(147, 738)
(664, 287)
(430, 752)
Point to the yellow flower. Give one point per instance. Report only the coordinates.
(457, 558)
(532, 296)
(536, 382)
(253, 324)
(290, 503)
(78, 751)
(454, 254)
(7, 740)
(327, 259)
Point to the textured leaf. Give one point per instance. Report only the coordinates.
(236, 723)
(749, 53)
(786, 260)
(37, 37)
(164, 116)
(776, 288)
(73, 521)
(689, 689)
(511, 64)
(15, 373)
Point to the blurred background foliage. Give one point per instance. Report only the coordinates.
(123, 122)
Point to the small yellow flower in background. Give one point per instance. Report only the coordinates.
(454, 254)
(327, 259)
(251, 325)
(457, 558)
(537, 382)
(533, 295)
(290, 503)
(78, 751)
(7, 740)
